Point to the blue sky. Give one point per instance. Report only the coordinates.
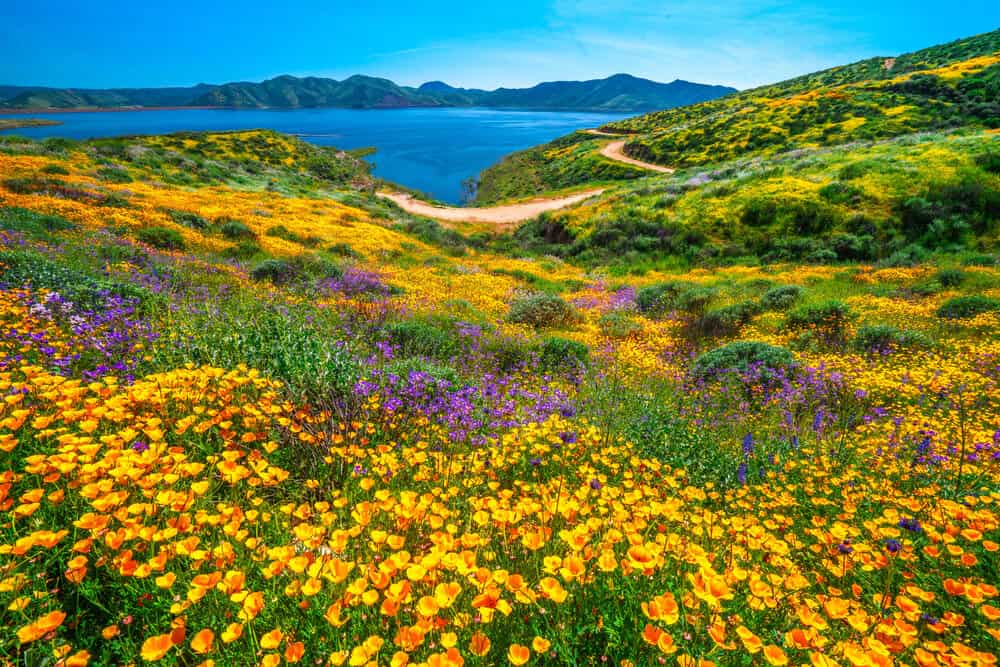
(90, 43)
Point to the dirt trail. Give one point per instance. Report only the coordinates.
(615, 151)
(507, 214)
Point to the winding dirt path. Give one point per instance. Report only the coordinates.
(511, 214)
(507, 214)
(616, 151)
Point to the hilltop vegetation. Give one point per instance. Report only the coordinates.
(744, 414)
(892, 202)
(943, 87)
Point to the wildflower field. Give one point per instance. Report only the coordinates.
(253, 414)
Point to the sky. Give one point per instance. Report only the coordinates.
(472, 43)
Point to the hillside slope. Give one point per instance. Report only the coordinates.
(947, 86)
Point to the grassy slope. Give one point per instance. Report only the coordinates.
(946, 86)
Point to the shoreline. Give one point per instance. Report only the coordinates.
(37, 110)
(15, 124)
(57, 110)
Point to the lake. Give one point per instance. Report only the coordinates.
(431, 150)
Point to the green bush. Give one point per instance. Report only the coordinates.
(563, 354)
(910, 255)
(829, 318)
(989, 161)
(416, 338)
(725, 321)
(26, 267)
(657, 300)
(163, 238)
(542, 309)
(961, 307)
(234, 230)
(33, 224)
(694, 300)
(618, 325)
(507, 352)
(741, 356)
(55, 169)
(114, 175)
(282, 232)
(188, 219)
(781, 297)
(982, 259)
(841, 193)
(243, 250)
(276, 271)
(885, 338)
(950, 277)
(343, 250)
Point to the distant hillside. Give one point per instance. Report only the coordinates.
(617, 93)
(289, 92)
(30, 97)
(620, 92)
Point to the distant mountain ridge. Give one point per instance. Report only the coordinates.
(621, 92)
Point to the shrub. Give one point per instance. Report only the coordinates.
(726, 321)
(841, 193)
(164, 238)
(235, 230)
(781, 297)
(422, 339)
(507, 352)
(542, 309)
(981, 260)
(243, 250)
(989, 161)
(911, 255)
(188, 219)
(343, 250)
(967, 306)
(694, 300)
(658, 299)
(884, 338)
(114, 175)
(829, 317)
(277, 271)
(563, 354)
(24, 267)
(740, 356)
(282, 232)
(617, 324)
(31, 223)
(950, 277)
(55, 169)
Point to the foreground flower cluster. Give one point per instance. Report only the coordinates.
(160, 520)
(407, 475)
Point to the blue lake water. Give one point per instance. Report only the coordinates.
(430, 150)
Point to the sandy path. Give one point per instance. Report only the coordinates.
(615, 151)
(599, 133)
(502, 215)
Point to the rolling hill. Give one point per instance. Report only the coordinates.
(947, 86)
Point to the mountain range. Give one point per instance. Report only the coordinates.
(621, 92)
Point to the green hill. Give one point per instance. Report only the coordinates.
(947, 86)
